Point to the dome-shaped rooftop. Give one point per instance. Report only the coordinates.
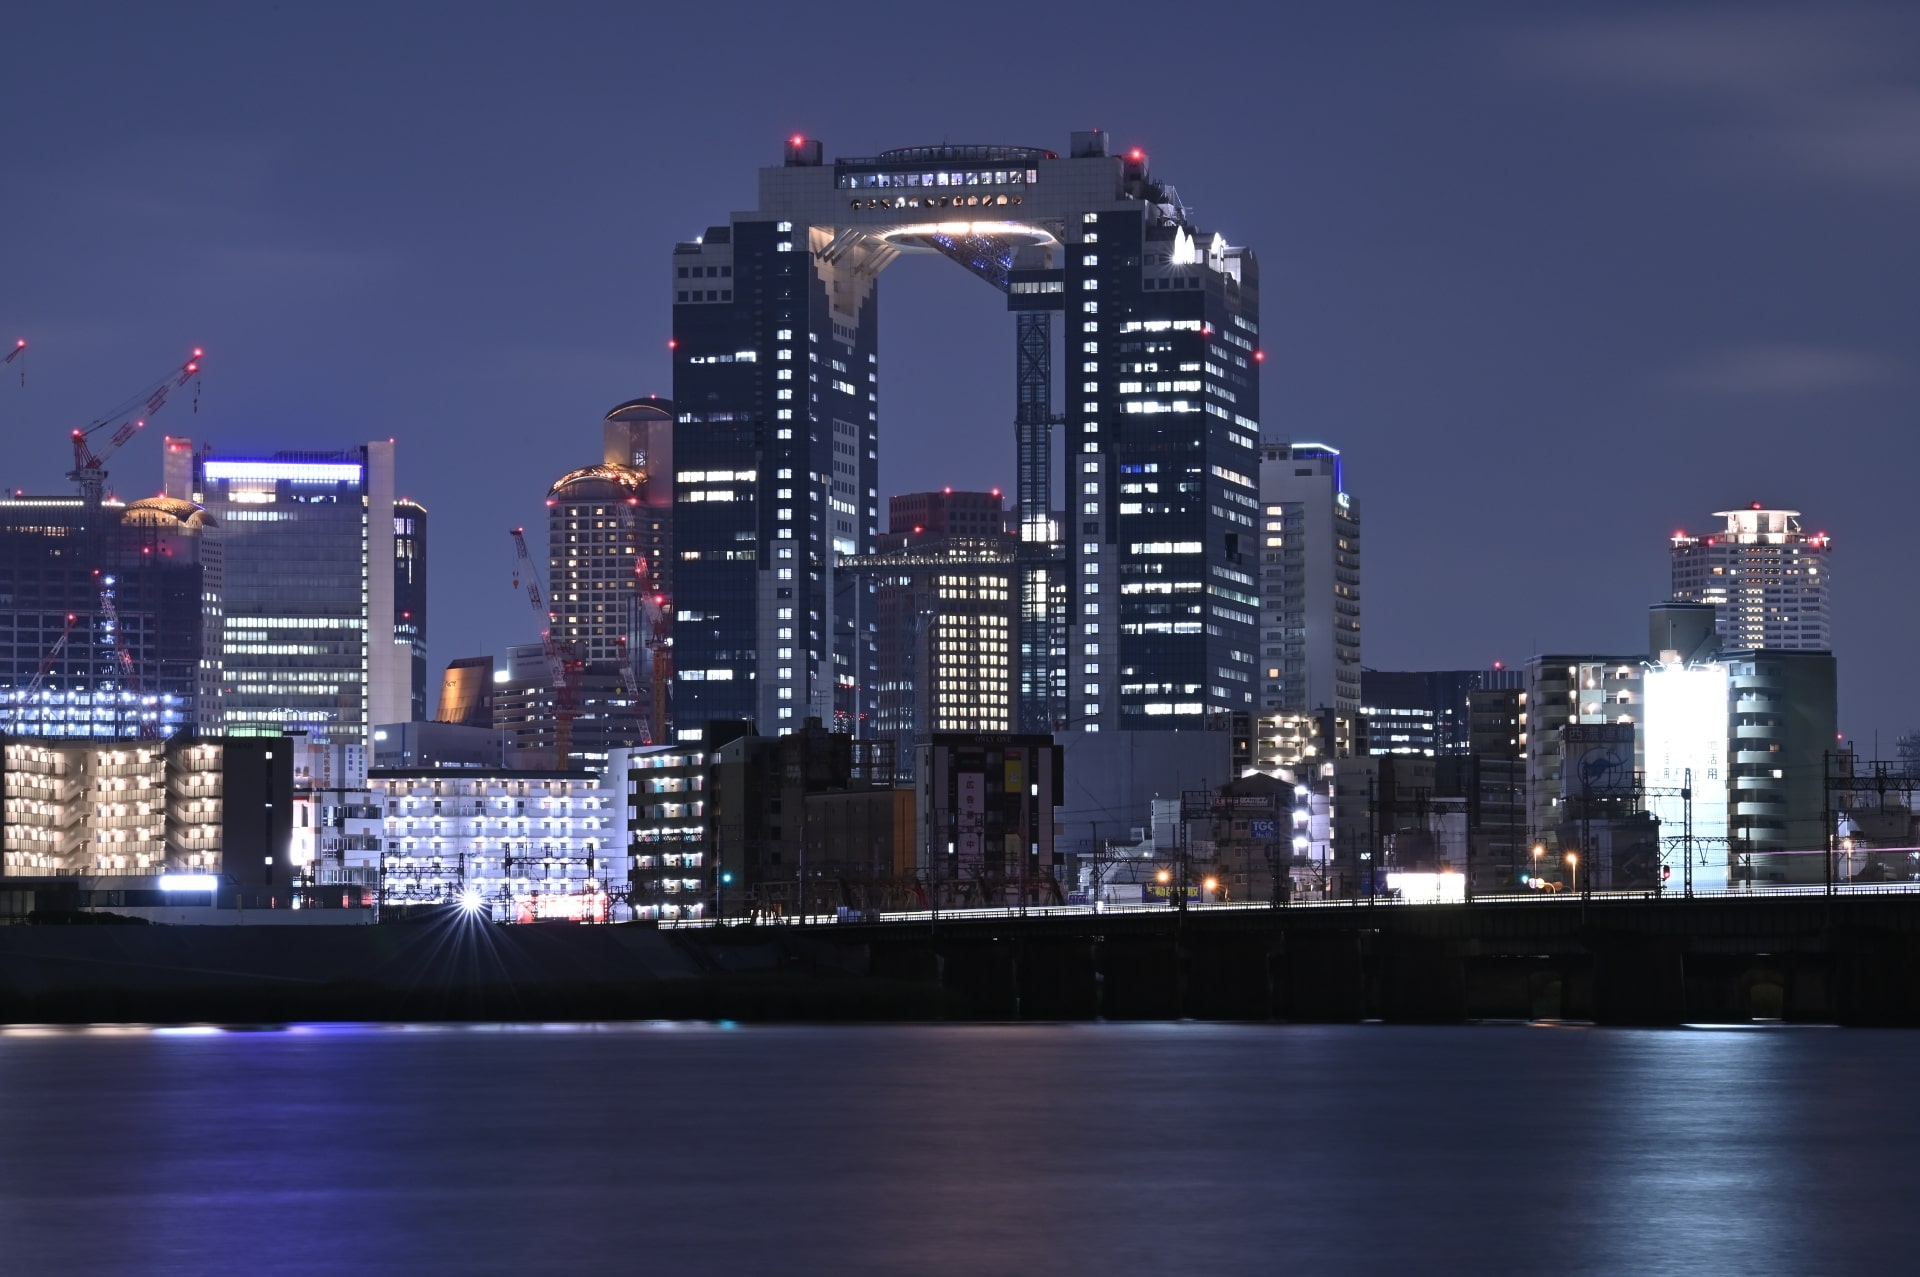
(605, 481)
(160, 512)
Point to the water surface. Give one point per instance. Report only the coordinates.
(958, 1150)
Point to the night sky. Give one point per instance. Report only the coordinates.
(1560, 279)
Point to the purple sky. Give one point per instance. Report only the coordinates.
(1559, 279)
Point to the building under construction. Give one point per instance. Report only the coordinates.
(103, 627)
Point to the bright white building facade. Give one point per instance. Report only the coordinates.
(520, 846)
(1309, 582)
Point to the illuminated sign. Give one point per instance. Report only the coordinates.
(1428, 888)
(1685, 722)
(189, 882)
(292, 471)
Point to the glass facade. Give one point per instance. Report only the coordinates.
(301, 645)
(776, 387)
(410, 598)
(101, 617)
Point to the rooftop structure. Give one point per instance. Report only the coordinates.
(777, 445)
(1767, 579)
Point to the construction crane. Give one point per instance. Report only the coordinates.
(19, 349)
(657, 660)
(46, 667)
(636, 679)
(563, 667)
(89, 467)
(147, 726)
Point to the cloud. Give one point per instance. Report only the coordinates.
(1823, 90)
(1784, 369)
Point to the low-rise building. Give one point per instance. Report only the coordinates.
(518, 845)
(986, 817)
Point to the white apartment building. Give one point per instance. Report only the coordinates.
(519, 846)
(1309, 582)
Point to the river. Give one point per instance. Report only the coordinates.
(1167, 1149)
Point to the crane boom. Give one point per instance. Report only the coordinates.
(563, 669)
(46, 667)
(19, 349)
(89, 466)
(146, 728)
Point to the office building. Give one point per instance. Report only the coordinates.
(757, 793)
(108, 618)
(1309, 582)
(466, 692)
(638, 434)
(777, 444)
(608, 710)
(410, 598)
(1497, 721)
(1766, 578)
(948, 618)
(1424, 711)
(310, 634)
(442, 745)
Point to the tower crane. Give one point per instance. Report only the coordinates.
(89, 466)
(47, 663)
(563, 667)
(148, 727)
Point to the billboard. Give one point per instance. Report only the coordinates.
(1597, 760)
(1686, 724)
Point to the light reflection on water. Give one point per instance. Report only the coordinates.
(1034, 1149)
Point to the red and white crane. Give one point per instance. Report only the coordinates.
(147, 726)
(563, 666)
(89, 466)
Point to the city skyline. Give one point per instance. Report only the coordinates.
(1469, 414)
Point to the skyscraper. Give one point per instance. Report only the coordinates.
(948, 608)
(410, 598)
(309, 635)
(609, 529)
(1309, 581)
(639, 433)
(1766, 578)
(1150, 582)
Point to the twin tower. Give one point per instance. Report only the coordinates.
(1136, 435)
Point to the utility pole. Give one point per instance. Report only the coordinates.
(1827, 821)
(1686, 829)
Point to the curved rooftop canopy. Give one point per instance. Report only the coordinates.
(602, 482)
(158, 512)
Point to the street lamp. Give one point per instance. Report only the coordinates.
(1539, 850)
(1212, 885)
(1573, 865)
